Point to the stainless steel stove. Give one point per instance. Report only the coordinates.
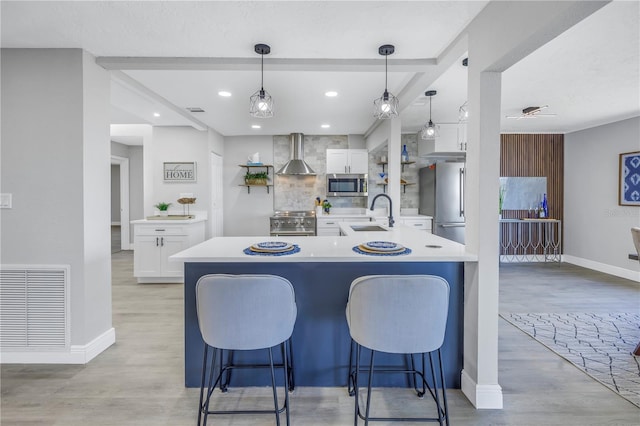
(293, 223)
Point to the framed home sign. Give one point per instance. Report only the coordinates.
(629, 179)
(179, 172)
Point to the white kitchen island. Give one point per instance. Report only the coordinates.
(321, 274)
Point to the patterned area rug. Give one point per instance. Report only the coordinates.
(601, 345)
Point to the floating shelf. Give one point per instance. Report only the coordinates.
(250, 166)
(256, 166)
(383, 164)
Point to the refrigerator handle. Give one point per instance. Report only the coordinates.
(462, 191)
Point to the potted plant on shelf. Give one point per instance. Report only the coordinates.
(259, 178)
(163, 208)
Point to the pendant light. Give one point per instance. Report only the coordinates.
(261, 102)
(385, 106)
(430, 130)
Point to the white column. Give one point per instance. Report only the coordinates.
(480, 362)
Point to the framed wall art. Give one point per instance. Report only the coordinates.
(179, 172)
(629, 179)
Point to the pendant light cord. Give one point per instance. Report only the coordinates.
(385, 72)
(262, 72)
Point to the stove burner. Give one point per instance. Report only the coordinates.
(293, 223)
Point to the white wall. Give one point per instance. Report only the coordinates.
(245, 214)
(596, 229)
(178, 144)
(57, 167)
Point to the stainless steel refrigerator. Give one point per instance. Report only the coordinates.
(442, 197)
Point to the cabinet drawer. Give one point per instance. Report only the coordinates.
(328, 223)
(417, 223)
(160, 230)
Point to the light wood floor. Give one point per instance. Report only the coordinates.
(139, 380)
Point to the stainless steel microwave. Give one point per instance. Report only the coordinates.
(346, 185)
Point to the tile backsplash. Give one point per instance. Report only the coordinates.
(300, 192)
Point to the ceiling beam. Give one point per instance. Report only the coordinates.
(274, 64)
(144, 91)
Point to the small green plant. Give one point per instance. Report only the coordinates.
(163, 207)
(326, 205)
(259, 178)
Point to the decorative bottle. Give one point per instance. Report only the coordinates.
(545, 207)
(405, 154)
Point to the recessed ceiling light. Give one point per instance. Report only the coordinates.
(224, 94)
(256, 126)
(325, 126)
(156, 114)
(331, 94)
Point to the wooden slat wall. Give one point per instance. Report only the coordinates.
(536, 155)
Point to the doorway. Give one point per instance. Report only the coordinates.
(122, 168)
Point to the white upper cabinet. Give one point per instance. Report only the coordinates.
(353, 161)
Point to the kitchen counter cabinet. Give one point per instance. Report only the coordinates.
(155, 241)
(330, 225)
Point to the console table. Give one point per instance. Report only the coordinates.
(530, 240)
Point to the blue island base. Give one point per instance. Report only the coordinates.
(321, 337)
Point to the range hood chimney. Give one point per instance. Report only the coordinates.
(296, 166)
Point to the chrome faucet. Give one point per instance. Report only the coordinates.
(373, 202)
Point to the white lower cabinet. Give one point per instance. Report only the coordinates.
(328, 226)
(421, 224)
(153, 244)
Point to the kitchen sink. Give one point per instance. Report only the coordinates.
(368, 228)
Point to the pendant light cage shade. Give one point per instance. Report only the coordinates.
(430, 130)
(463, 112)
(386, 106)
(261, 102)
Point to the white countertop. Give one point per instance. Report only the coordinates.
(167, 221)
(332, 249)
(366, 217)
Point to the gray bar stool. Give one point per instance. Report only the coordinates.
(398, 314)
(244, 312)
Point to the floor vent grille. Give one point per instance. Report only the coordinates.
(34, 308)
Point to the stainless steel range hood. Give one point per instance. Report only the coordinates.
(296, 166)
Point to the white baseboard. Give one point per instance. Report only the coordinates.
(481, 396)
(76, 354)
(603, 267)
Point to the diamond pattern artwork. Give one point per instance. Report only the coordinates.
(601, 345)
(630, 179)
